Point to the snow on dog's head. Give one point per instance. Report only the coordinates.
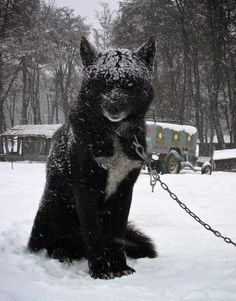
(120, 79)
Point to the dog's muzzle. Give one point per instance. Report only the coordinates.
(115, 105)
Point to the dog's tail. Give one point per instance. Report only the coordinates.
(138, 245)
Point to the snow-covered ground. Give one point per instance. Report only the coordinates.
(193, 265)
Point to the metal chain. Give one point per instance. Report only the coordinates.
(155, 177)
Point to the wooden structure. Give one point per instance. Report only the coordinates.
(225, 159)
(27, 142)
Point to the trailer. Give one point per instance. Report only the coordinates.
(172, 147)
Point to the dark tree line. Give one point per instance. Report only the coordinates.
(39, 61)
(194, 70)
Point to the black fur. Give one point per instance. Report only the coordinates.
(92, 166)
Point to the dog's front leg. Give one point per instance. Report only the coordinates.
(88, 213)
(120, 203)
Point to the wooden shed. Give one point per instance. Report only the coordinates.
(27, 142)
(225, 159)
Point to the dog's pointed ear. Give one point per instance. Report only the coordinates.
(147, 52)
(87, 52)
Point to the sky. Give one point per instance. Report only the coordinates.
(86, 8)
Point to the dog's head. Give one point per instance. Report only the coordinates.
(118, 81)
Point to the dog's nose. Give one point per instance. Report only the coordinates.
(113, 108)
(114, 101)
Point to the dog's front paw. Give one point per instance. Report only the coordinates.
(102, 275)
(119, 266)
(111, 275)
(125, 271)
(100, 269)
(106, 272)
(62, 255)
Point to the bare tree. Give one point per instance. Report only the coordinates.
(38, 43)
(15, 20)
(103, 36)
(63, 35)
(194, 70)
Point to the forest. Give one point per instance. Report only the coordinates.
(194, 74)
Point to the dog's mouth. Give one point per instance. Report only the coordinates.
(115, 105)
(115, 117)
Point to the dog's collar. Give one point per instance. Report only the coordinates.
(133, 140)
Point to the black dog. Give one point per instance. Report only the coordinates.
(93, 165)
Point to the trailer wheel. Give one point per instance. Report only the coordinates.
(206, 169)
(173, 162)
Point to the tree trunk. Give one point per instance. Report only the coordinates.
(214, 18)
(233, 96)
(2, 99)
(197, 96)
(35, 101)
(25, 96)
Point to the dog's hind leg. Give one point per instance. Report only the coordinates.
(56, 228)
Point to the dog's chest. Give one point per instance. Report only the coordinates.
(118, 167)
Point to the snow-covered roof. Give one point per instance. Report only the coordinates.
(224, 154)
(176, 127)
(42, 130)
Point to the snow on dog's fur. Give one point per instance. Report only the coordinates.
(93, 165)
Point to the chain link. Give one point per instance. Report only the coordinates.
(155, 177)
